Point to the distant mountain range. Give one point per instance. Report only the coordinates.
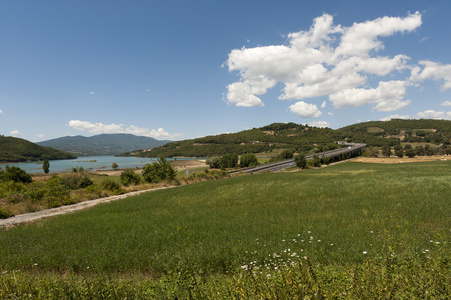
(14, 149)
(103, 144)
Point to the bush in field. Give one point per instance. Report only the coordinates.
(229, 160)
(160, 170)
(129, 177)
(4, 213)
(300, 161)
(112, 186)
(15, 174)
(84, 182)
(248, 160)
(56, 192)
(214, 162)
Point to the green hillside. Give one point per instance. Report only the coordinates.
(103, 144)
(305, 138)
(14, 149)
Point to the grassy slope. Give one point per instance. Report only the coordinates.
(331, 215)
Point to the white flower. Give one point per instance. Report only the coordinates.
(364, 252)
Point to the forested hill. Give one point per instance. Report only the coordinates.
(305, 138)
(103, 144)
(14, 149)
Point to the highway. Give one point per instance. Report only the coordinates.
(288, 163)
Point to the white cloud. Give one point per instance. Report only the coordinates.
(15, 132)
(305, 110)
(388, 96)
(432, 114)
(320, 124)
(325, 60)
(40, 135)
(330, 113)
(395, 117)
(91, 93)
(1, 111)
(434, 71)
(323, 105)
(99, 128)
(446, 103)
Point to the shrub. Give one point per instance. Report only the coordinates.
(84, 182)
(160, 170)
(129, 177)
(5, 213)
(15, 174)
(111, 186)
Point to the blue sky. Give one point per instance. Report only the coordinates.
(185, 69)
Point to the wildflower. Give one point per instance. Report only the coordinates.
(437, 242)
(371, 231)
(364, 252)
(245, 267)
(319, 241)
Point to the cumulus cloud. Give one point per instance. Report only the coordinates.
(320, 124)
(15, 133)
(1, 111)
(388, 96)
(305, 110)
(395, 117)
(323, 105)
(434, 71)
(432, 114)
(446, 103)
(40, 135)
(99, 128)
(326, 60)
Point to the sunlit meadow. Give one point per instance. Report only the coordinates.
(350, 230)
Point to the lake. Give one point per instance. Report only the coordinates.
(89, 163)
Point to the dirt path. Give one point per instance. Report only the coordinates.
(24, 218)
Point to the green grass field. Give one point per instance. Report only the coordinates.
(350, 230)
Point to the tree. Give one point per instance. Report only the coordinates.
(399, 152)
(300, 161)
(316, 161)
(159, 171)
(229, 160)
(114, 166)
(287, 154)
(410, 152)
(46, 166)
(420, 151)
(386, 151)
(214, 162)
(248, 160)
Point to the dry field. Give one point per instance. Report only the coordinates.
(396, 160)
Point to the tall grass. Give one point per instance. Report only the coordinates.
(252, 233)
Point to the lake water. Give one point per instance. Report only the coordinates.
(89, 163)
